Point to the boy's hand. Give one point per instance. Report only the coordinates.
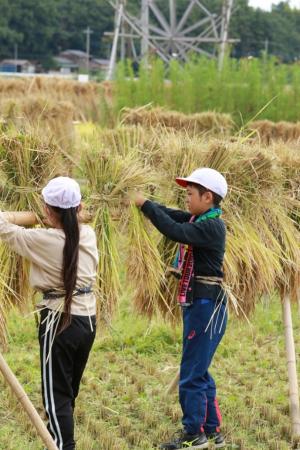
(138, 199)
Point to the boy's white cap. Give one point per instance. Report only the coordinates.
(209, 178)
(63, 192)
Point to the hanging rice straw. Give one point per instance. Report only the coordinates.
(110, 178)
(27, 164)
(145, 268)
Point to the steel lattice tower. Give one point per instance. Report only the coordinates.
(197, 30)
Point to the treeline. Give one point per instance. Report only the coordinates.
(39, 29)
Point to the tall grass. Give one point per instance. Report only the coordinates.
(242, 88)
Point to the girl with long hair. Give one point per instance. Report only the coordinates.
(63, 267)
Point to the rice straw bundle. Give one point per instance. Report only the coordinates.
(168, 308)
(257, 214)
(260, 257)
(125, 138)
(178, 153)
(251, 268)
(285, 230)
(288, 157)
(200, 123)
(84, 97)
(263, 240)
(145, 268)
(110, 177)
(54, 119)
(268, 131)
(27, 164)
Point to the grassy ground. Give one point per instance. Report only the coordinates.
(122, 404)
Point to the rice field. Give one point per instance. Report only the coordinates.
(137, 351)
(122, 404)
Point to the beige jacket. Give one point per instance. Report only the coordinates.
(44, 249)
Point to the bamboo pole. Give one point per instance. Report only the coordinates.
(291, 365)
(28, 218)
(22, 397)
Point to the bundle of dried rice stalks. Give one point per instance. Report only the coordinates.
(258, 217)
(145, 267)
(267, 131)
(208, 123)
(123, 139)
(83, 96)
(27, 163)
(289, 161)
(263, 238)
(110, 177)
(52, 118)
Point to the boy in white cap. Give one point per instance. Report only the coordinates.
(202, 298)
(63, 267)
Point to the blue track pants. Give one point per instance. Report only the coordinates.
(204, 324)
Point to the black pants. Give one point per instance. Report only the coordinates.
(63, 360)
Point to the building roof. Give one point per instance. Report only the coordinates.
(71, 52)
(16, 62)
(61, 61)
(100, 61)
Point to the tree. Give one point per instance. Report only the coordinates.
(43, 28)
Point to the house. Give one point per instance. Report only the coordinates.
(99, 64)
(17, 66)
(65, 65)
(77, 57)
(76, 60)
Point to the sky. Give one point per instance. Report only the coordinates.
(266, 4)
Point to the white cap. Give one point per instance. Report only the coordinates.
(209, 178)
(63, 192)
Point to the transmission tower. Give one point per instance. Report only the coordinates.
(153, 32)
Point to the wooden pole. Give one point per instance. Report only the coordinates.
(22, 397)
(291, 365)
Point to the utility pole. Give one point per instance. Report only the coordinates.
(266, 47)
(88, 33)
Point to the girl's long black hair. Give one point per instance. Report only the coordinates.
(69, 222)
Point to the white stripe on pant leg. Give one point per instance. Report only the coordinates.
(60, 440)
(45, 381)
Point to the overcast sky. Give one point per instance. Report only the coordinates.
(266, 4)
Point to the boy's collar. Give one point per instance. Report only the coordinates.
(205, 212)
(212, 210)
